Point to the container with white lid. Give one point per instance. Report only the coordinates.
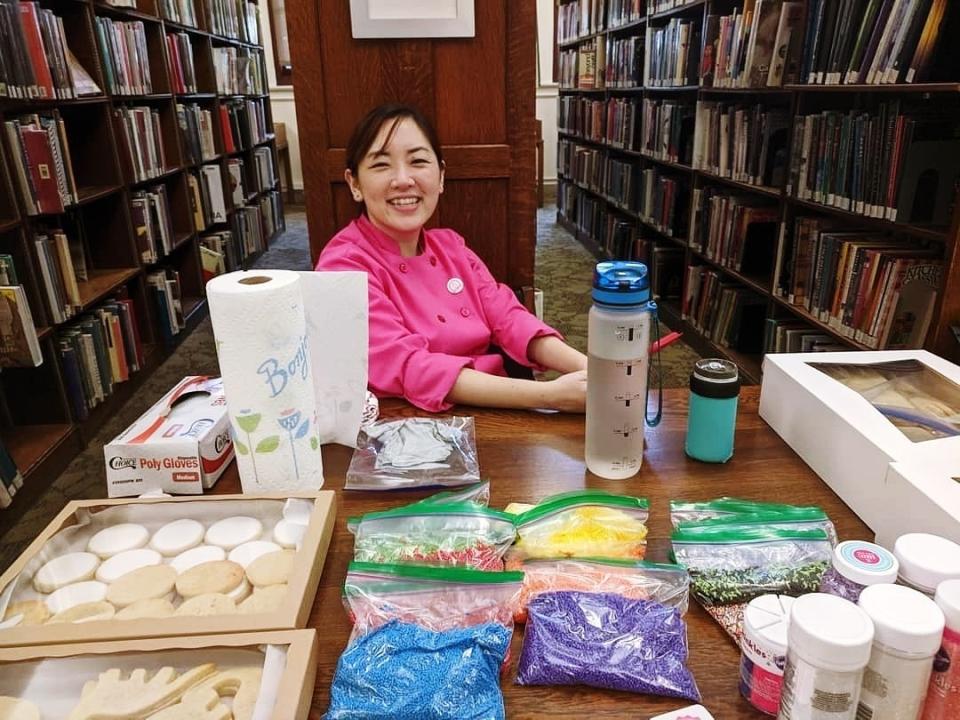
(764, 651)
(858, 564)
(926, 561)
(908, 627)
(828, 646)
(943, 693)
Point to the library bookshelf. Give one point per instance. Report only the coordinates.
(608, 159)
(43, 423)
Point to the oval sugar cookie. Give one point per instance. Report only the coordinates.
(264, 600)
(64, 570)
(85, 612)
(12, 708)
(271, 569)
(177, 536)
(220, 576)
(71, 595)
(248, 552)
(114, 568)
(208, 604)
(233, 531)
(194, 556)
(33, 612)
(146, 583)
(118, 538)
(152, 608)
(288, 534)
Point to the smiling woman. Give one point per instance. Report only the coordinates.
(440, 325)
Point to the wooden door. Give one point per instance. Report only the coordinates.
(479, 92)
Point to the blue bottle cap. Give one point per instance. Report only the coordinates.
(621, 282)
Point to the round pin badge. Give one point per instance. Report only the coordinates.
(455, 285)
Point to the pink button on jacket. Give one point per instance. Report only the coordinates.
(431, 315)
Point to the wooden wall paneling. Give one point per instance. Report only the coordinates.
(477, 206)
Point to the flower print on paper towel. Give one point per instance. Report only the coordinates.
(248, 422)
(289, 420)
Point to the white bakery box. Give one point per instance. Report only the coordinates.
(925, 497)
(250, 676)
(181, 445)
(843, 436)
(157, 567)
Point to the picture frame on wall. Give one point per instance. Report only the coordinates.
(370, 19)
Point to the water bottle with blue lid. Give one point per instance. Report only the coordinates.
(618, 365)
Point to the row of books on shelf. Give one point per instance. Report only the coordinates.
(183, 73)
(899, 166)
(725, 312)
(182, 12)
(672, 58)
(583, 116)
(615, 235)
(63, 267)
(244, 123)
(624, 62)
(734, 231)
(98, 351)
(239, 71)
(793, 336)
(207, 202)
(152, 223)
(233, 19)
(140, 142)
(870, 288)
(196, 132)
(875, 41)
(624, 12)
(578, 18)
(164, 285)
(35, 59)
(19, 345)
(42, 168)
(666, 263)
(584, 66)
(746, 143)
(667, 130)
(11, 479)
(123, 51)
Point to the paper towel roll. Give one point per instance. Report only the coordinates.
(259, 325)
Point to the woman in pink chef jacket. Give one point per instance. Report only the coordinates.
(435, 309)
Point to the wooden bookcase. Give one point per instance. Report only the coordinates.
(795, 100)
(36, 422)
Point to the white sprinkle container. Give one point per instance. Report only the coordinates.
(907, 628)
(926, 561)
(828, 647)
(857, 564)
(764, 651)
(943, 693)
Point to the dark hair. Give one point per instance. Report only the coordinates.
(366, 131)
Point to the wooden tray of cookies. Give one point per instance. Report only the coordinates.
(157, 567)
(251, 676)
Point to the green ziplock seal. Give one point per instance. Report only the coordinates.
(752, 506)
(731, 535)
(615, 562)
(463, 508)
(566, 501)
(436, 574)
(804, 515)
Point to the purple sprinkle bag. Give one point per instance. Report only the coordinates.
(608, 641)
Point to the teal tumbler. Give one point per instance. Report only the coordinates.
(712, 418)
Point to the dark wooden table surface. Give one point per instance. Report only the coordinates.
(527, 456)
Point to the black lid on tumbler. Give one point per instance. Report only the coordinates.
(715, 378)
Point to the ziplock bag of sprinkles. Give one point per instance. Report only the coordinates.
(427, 643)
(454, 535)
(682, 511)
(667, 584)
(790, 518)
(587, 523)
(729, 565)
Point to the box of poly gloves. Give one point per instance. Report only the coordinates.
(181, 445)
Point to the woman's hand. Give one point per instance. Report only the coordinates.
(568, 393)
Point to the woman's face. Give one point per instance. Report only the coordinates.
(400, 183)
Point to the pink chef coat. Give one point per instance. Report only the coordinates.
(431, 315)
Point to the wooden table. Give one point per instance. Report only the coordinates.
(529, 455)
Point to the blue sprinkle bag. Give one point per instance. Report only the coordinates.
(402, 671)
(608, 641)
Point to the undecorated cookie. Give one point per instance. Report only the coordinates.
(196, 705)
(271, 569)
(288, 534)
(221, 576)
(147, 583)
(120, 564)
(117, 539)
(12, 708)
(152, 608)
(248, 552)
(264, 600)
(208, 604)
(34, 612)
(233, 531)
(177, 536)
(64, 570)
(71, 595)
(194, 556)
(85, 612)
(242, 683)
(111, 695)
